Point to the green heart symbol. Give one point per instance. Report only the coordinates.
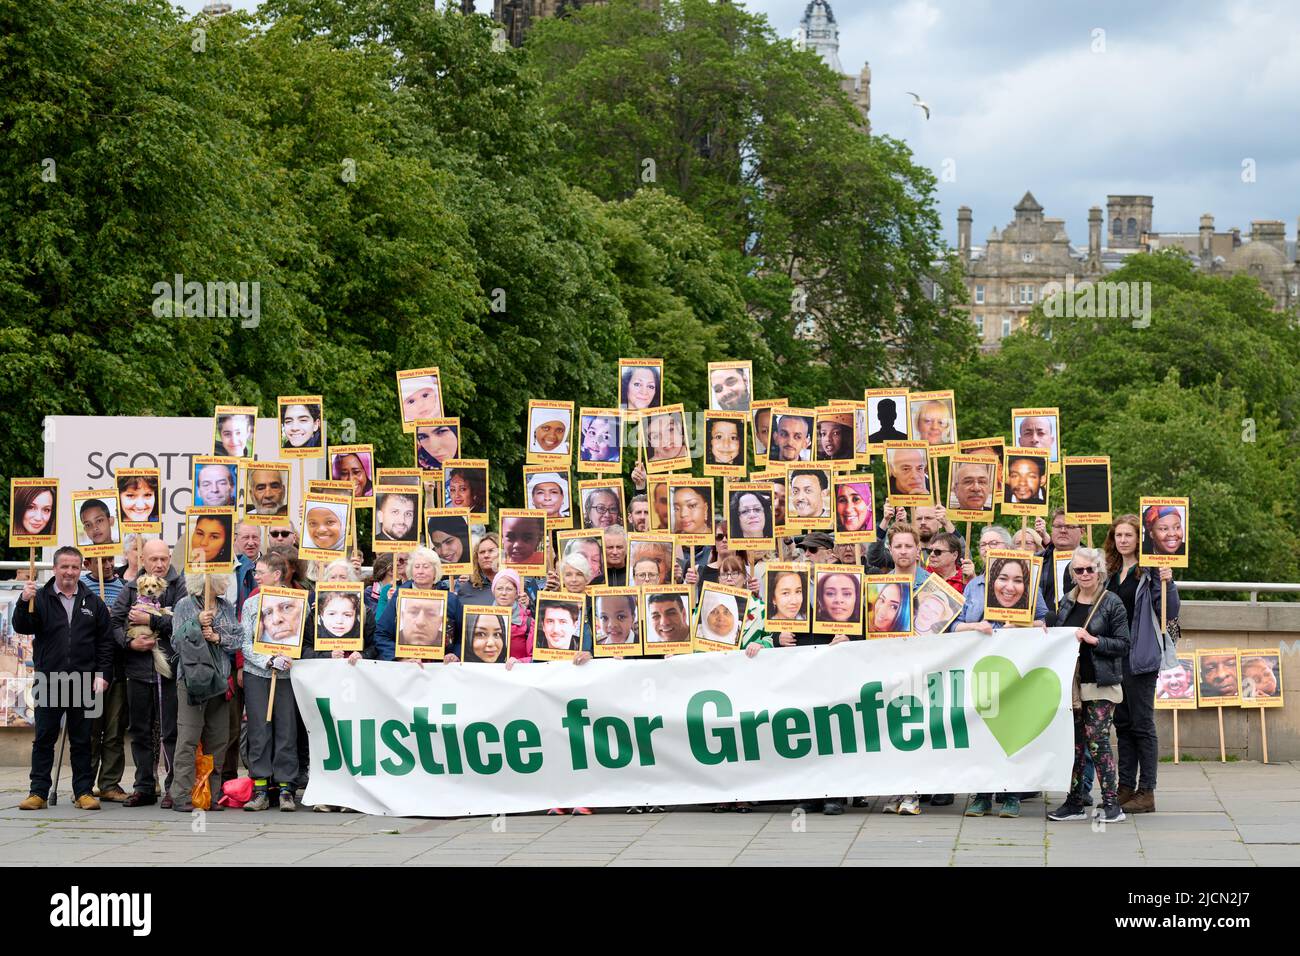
(1015, 709)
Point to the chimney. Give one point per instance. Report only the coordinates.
(1094, 234)
(1271, 232)
(1206, 246)
(1236, 236)
(963, 232)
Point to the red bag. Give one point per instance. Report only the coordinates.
(236, 792)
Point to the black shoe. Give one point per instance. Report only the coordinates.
(1086, 801)
(1069, 810)
(941, 800)
(808, 806)
(138, 799)
(832, 808)
(860, 802)
(1110, 813)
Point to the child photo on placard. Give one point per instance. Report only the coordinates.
(667, 617)
(281, 616)
(437, 440)
(487, 635)
(640, 384)
(447, 533)
(233, 428)
(935, 605)
(1163, 529)
(1261, 677)
(616, 621)
(1178, 683)
(1219, 682)
(419, 395)
(96, 521)
(523, 540)
(354, 464)
(724, 444)
(599, 445)
(1037, 428)
(421, 624)
(887, 416)
(550, 425)
(788, 594)
(302, 426)
(718, 617)
(908, 467)
(837, 605)
(602, 503)
(1025, 482)
(792, 434)
(465, 485)
(557, 627)
(889, 605)
(339, 617)
(215, 482)
(749, 515)
(855, 503)
(266, 489)
(397, 515)
(835, 438)
(138, 498)
(730, 386)
(209, 537)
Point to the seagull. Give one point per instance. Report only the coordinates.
(921, 103)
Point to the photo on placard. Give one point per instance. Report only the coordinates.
(437, 440)
(209, 539)
(1163, 529)
(908, 467)
(550, 429)
(664, 434)
(233, 427)
(302, 426)
(324, 526)
(760, 426)
(486, 637)
(421, 631)
(731, 387)
(281, 617)
(589, 550)
(724, 444)
(1037, 428)
(640, 384)
(465, 485)
(933, 420)
(889, 605)
(419, 395)
(1025, 482)
(835, 435)
(266, 489)
(719, 616)
(749, 515)
(792, 434)
(615, 620)
(788, 596)
(660, 506)
(339, 616)
(855, 504)
(1261, 677)
(557, 626)
(355, 464)
(887, 416)
(935, 605)
(95, 514)
(1176, 687)
(1218, 680)
(649, 558)
(1012, 586)
(991, 448)
(599, 445)
(837, 600)
(216, 482)
(667, 616)
(523, 540)
(448, 535)
(691, 511)
(547, 490)
(397, 514)
(602, 503)
(138, 498)
(971, 479)
(808, 497)
(1087, 488)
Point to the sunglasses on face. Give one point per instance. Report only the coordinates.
(280, 534)
(1085, 570)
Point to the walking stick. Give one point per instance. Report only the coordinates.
(58, 764)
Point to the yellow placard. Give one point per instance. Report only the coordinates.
(396, 525)
(485, 634)
(139, 499)
(446, 531)
(523, 540)
(549, 438)
(731, 386)
(355, 464)
(1165, 532)
(690, 510)
(209, 540)
(1011, 586)
(94, 516)
(1259, 675)
(907, 469)
(932, 418)
(838, 599)
(1025, 478)
(281, 618)
(666, 619)
(326, 520)
(1218, 679)
(549, 490)
(302, 426)
(760, 427)
(599, 440)
(724, 444)
(339, 616)
(887, 417)
(972, 480)
(719, 616)
(265, 499)
(854, 502)
(749, 515)
(558, 626)
(419, 395)
(788, 587)
(233, 430)
(888, 600)
(422, 624)
(615, 630)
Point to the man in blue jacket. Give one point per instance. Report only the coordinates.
(72, 646)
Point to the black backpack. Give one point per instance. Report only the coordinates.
(200, 667)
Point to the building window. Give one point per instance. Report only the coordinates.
(979, 326)
(1026, 295)
(1132, 231)
(1006, 326)
(1117, 227)
(979, 295)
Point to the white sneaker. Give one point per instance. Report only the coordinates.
(910, 805)
(892, 805)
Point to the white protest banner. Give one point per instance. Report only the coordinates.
(83, 451)
(957, 713)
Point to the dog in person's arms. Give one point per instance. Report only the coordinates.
(149, 590)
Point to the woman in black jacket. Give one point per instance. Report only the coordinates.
(1101, 627)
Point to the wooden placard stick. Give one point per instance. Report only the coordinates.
(1223, 754)
(1263, 729)
(31, 571)
(1177, 758)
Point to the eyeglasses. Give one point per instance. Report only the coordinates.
(604, 510)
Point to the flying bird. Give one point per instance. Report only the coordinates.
(920, 103)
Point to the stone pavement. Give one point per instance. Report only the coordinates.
(1237, 814)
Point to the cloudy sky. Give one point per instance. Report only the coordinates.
(1192, 102)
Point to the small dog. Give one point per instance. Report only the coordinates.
(149, 591)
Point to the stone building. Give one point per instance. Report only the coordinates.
(1006, 276)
